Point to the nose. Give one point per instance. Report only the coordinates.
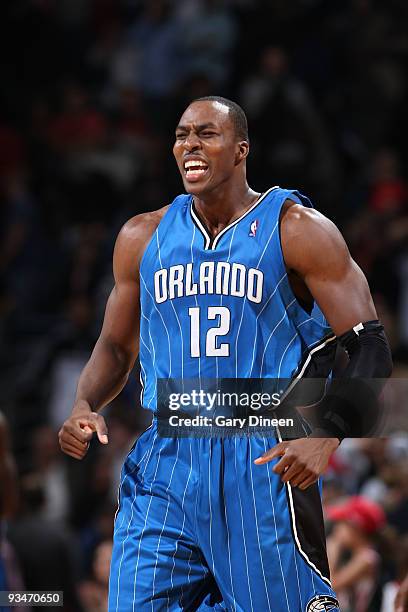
(191, 142)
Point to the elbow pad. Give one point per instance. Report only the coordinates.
(351, 406)
(368, 349)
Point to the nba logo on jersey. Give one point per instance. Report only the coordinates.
(253, 228)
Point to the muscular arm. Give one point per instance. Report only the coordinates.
(315, 252)
(115, 352)
(341, 290)
(318, 259)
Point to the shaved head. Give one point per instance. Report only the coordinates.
(235, 113)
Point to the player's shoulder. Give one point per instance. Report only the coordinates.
(138, 230)
(134, 237)
(304, 223)
(309, 237)
(142, 224)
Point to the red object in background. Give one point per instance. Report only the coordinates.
(336, 465)
(359, 511)
(76, 129)
(12, 151)
(389, 196)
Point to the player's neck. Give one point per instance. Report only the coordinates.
(223, 206)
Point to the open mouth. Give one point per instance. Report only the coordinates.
(194, 169)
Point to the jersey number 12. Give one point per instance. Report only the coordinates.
(223, 327)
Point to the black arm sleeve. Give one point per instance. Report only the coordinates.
(350, 408)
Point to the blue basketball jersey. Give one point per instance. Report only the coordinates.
(201, 527)
(223, 306)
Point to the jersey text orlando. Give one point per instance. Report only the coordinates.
(222, 278)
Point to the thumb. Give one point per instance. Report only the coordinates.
(94, 422)
(101, 429)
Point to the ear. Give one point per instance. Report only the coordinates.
(242, 151)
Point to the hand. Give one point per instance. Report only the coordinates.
(77, 431)
(303, 460)
(401, 600)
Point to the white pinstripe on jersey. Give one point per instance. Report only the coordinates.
(276, 534)
(256, 322)
(182, 528)
(273, 331)
(174, 310)
(154, 357)
(243, 530)
(228, 259)
(143, 530)
(195, 298)
(256, 524)
(290, 342)
(209, 503)
(162, 320)
(164, 520)
(229, 548)
(127, 530)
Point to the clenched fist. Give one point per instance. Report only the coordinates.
(77, 431)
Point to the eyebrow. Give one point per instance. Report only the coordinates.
(201, 126)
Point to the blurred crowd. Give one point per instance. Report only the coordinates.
(90, 94)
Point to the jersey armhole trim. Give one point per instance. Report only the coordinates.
(149, 244)
(303, 201)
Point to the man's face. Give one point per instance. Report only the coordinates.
(206, 148)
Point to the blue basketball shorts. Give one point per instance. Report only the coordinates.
(201, 527)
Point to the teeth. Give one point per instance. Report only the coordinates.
(195, 163)
(201, 171)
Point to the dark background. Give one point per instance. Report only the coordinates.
(91, 91)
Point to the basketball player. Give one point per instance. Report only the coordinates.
(224, 282)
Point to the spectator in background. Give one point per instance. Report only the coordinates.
(94, 592)
(372, 79)
(10, 576)
(401, 598)
(99, 529)
(376, 231)
(388, 190)
(47, 550)
(152, 47)
(378, 236)
(395, 591)
(209, 36)
(292, 144)
(355, 580)
(79, 126)
(91, 489)
(71, 346)
(21, 248)
(47, 462)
